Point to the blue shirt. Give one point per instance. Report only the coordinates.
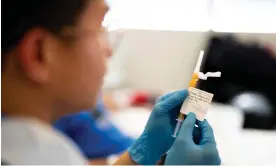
(93, 133)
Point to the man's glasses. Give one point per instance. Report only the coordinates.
(114, 37)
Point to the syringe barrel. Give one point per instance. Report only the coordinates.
(177, 128)
(181, 116)
(192, 83)
(179, 120)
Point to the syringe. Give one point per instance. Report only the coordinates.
(192, 83)
(196, 75)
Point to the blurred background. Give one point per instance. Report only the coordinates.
(156, 45)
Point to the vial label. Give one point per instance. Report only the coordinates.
(198, 102)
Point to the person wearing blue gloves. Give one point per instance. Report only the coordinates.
(193, 145)
(53, 64)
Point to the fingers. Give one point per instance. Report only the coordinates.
(187, 128)
(206, 132)
(164, 97)
(170, 101)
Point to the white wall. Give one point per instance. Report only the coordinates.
(165, 60)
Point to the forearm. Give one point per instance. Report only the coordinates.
(125, 159)
(102, 161)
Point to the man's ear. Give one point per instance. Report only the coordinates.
(31, 56)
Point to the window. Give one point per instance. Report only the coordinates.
(193, 15)
(244, 16)
(159, 14)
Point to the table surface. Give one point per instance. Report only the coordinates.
(236, 146)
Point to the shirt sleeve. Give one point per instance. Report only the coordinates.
(93, 133)
(81, 129)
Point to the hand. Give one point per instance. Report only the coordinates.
(157, 138)
(187, 151)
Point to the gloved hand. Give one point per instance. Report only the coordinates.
(190, 148)
(157, 138)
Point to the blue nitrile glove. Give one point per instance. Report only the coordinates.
(186, 152)
(157, 138)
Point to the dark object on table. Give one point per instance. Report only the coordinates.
(244, 67)
(256, 108)
(4, 162)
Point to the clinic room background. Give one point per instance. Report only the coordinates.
(222, 51)
(154, 55)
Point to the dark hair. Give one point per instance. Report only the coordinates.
(19, 16)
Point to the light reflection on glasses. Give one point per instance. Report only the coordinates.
(113, 31)
(115, 38)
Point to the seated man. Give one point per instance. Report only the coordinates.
(96, 137)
